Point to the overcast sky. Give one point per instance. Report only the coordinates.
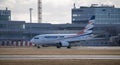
(54, 11)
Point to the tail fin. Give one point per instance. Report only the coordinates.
(89, 27)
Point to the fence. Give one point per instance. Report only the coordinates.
(15, 43)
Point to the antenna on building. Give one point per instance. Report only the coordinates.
(74, 6)
(39, 11)
(6, 8)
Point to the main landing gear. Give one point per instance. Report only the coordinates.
(59, 45)
(38, 46)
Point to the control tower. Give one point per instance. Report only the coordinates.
(5, 15)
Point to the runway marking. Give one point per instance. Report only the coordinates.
(18, 57)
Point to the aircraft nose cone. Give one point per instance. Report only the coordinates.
(32, 41)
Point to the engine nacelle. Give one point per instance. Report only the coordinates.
(64, 44)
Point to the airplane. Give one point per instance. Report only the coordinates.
(65, 40)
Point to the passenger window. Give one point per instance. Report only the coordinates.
(50, 36)
(36, 38)
(61, 36)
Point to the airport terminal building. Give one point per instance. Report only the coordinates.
(107, 24)
(105, 14)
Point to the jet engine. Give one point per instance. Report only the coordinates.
(63, 44)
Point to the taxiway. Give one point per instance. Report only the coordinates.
(27, 57)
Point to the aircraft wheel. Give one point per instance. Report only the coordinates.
(38, 46)
(69, 47)
(44, 45)
(58, 45)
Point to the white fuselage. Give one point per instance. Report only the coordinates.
(56, 38)
(65, 39)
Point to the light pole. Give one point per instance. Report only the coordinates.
(30, 14)
(39, 11)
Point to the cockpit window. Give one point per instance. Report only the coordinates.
(36, 38)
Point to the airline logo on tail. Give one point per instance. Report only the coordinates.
(89, 27)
